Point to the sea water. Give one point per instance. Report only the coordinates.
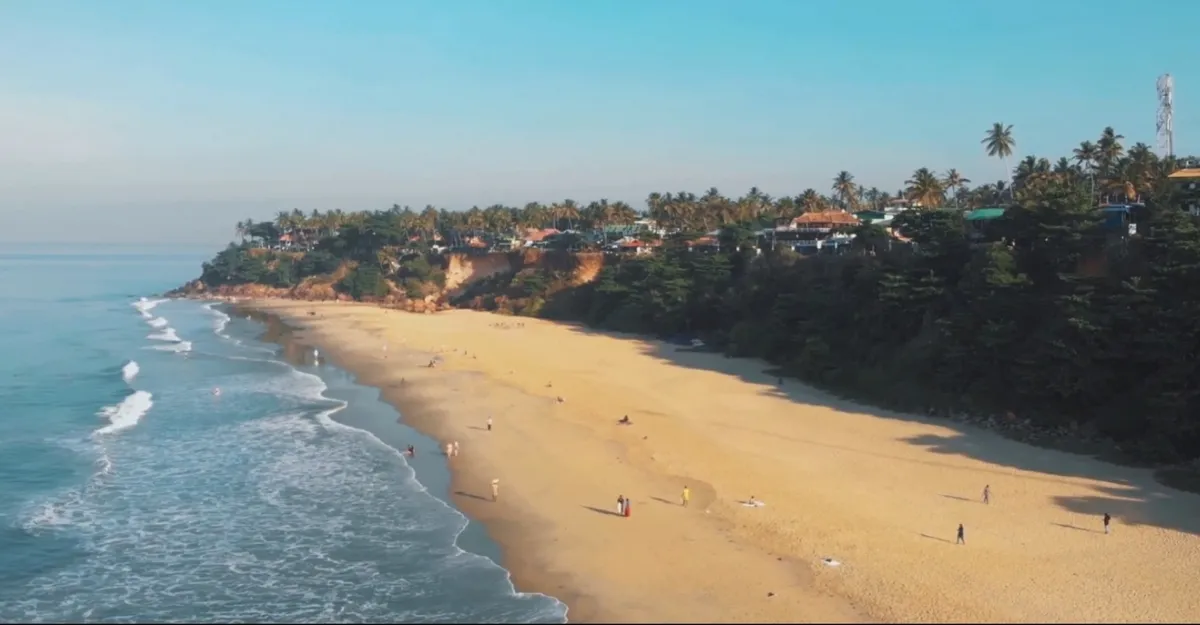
(132, 491)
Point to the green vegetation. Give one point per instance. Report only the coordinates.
(1048, 311)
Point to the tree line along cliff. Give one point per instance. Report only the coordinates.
(1049, 314)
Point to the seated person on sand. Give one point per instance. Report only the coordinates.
(625, 420)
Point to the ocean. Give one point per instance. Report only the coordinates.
(131, 492)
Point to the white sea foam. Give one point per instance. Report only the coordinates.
(318, 387)
(157, 322)
(180, 347)
(130, 371)
(221, 321)
(144, 306)
(318, 522)
(126, 414)
(168, 334)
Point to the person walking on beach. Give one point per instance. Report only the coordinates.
(1107, 520)
(449, 449)
(620, 505)
(686, 496)
(489, 423)
(961, 537)
(987, 493)
(495, 489)
(455, 449)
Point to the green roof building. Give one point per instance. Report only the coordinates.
(984, 214)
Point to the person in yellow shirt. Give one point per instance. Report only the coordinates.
(686, 496)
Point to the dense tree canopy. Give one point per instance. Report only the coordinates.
(1052, 314)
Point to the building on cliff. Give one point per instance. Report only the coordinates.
(1187, 184)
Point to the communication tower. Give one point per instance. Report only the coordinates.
(1166, 114)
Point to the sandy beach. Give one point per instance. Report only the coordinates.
(881, 493)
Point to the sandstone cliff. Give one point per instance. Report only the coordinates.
(462, 271)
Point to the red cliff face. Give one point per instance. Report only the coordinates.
(461, 270)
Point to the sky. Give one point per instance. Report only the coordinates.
(160, 122)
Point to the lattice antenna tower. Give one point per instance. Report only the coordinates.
(1166, 114)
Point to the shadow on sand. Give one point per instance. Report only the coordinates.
(945, 540)
(602, 510)
(461, 493)
(666, 501)
(1076, 527)
(1130, 495)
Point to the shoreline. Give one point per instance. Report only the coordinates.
(737, 434)
(424, 401)
(296, 344)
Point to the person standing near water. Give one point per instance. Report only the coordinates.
(489, 423)
(495, 489)
(1107, 520)
(961, 536)
(987, 493)
(686, 496)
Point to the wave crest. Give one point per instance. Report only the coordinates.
(130, 371)
(126, 414)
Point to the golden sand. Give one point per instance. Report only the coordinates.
(879, 492)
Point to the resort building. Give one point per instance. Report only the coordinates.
(811, 233)
(1187, 183)
(981, 224)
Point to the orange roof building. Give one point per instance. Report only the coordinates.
(825, 219)
(534, 234)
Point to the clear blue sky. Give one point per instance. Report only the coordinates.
(167, 121)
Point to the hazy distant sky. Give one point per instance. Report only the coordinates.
(167, 121)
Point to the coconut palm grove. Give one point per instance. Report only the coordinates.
(1061, 302)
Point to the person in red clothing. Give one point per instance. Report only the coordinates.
(628, 505)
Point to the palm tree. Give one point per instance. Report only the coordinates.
(566, 209)
(681, 209)
(1110, 149)
(621, 213)
(999, 143)
(1086, 155)
(845, 189)
(809, 201)
(955, 181)
(872, 196)
(534, 215)
(925, 188)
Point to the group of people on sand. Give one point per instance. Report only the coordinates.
(503, 325)
(623, 505)
(961, 535)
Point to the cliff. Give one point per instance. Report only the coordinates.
(485, 276)
(464, 269)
